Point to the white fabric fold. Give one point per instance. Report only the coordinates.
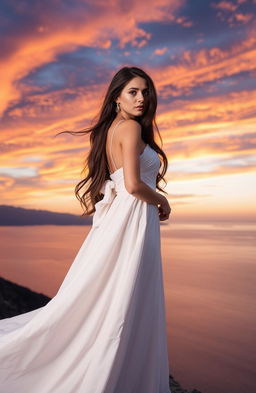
(102, 206)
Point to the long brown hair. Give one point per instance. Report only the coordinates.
(96, 165)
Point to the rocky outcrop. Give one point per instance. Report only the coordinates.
(15, 299)
(176, 388)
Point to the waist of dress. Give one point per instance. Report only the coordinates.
(113, 187)
(110, 190)
(120, 188)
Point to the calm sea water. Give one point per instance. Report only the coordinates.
(209, 276)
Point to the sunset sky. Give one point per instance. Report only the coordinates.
(57, 59)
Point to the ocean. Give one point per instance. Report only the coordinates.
(209, 277)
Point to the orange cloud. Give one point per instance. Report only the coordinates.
(225, 5)
(34, 50)
(161, 51)
(244, 18)
(207, 65)
(37, 168)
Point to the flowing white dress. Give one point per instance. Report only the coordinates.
(105, 329)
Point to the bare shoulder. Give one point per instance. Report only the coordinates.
(131, 124)
(130, 129)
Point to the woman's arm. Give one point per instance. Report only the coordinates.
(130, 140)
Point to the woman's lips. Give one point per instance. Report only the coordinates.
(140, 108)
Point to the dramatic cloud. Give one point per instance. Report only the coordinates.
(56, 62)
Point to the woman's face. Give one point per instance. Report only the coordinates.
(133, 95)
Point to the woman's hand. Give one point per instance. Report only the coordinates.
(164, 209)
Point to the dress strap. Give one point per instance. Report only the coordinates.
(110, 150)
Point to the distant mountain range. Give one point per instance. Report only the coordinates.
(11, 215)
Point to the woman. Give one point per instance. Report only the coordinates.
(105, 330)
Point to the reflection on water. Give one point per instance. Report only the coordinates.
(209, 275)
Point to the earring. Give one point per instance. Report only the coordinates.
(118, 107)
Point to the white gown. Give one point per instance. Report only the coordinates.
(105, 329)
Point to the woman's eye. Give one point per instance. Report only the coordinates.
(146, 92)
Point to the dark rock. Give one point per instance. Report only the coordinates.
(176, 388)
(16, 299)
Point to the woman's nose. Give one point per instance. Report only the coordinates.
(140, 97)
